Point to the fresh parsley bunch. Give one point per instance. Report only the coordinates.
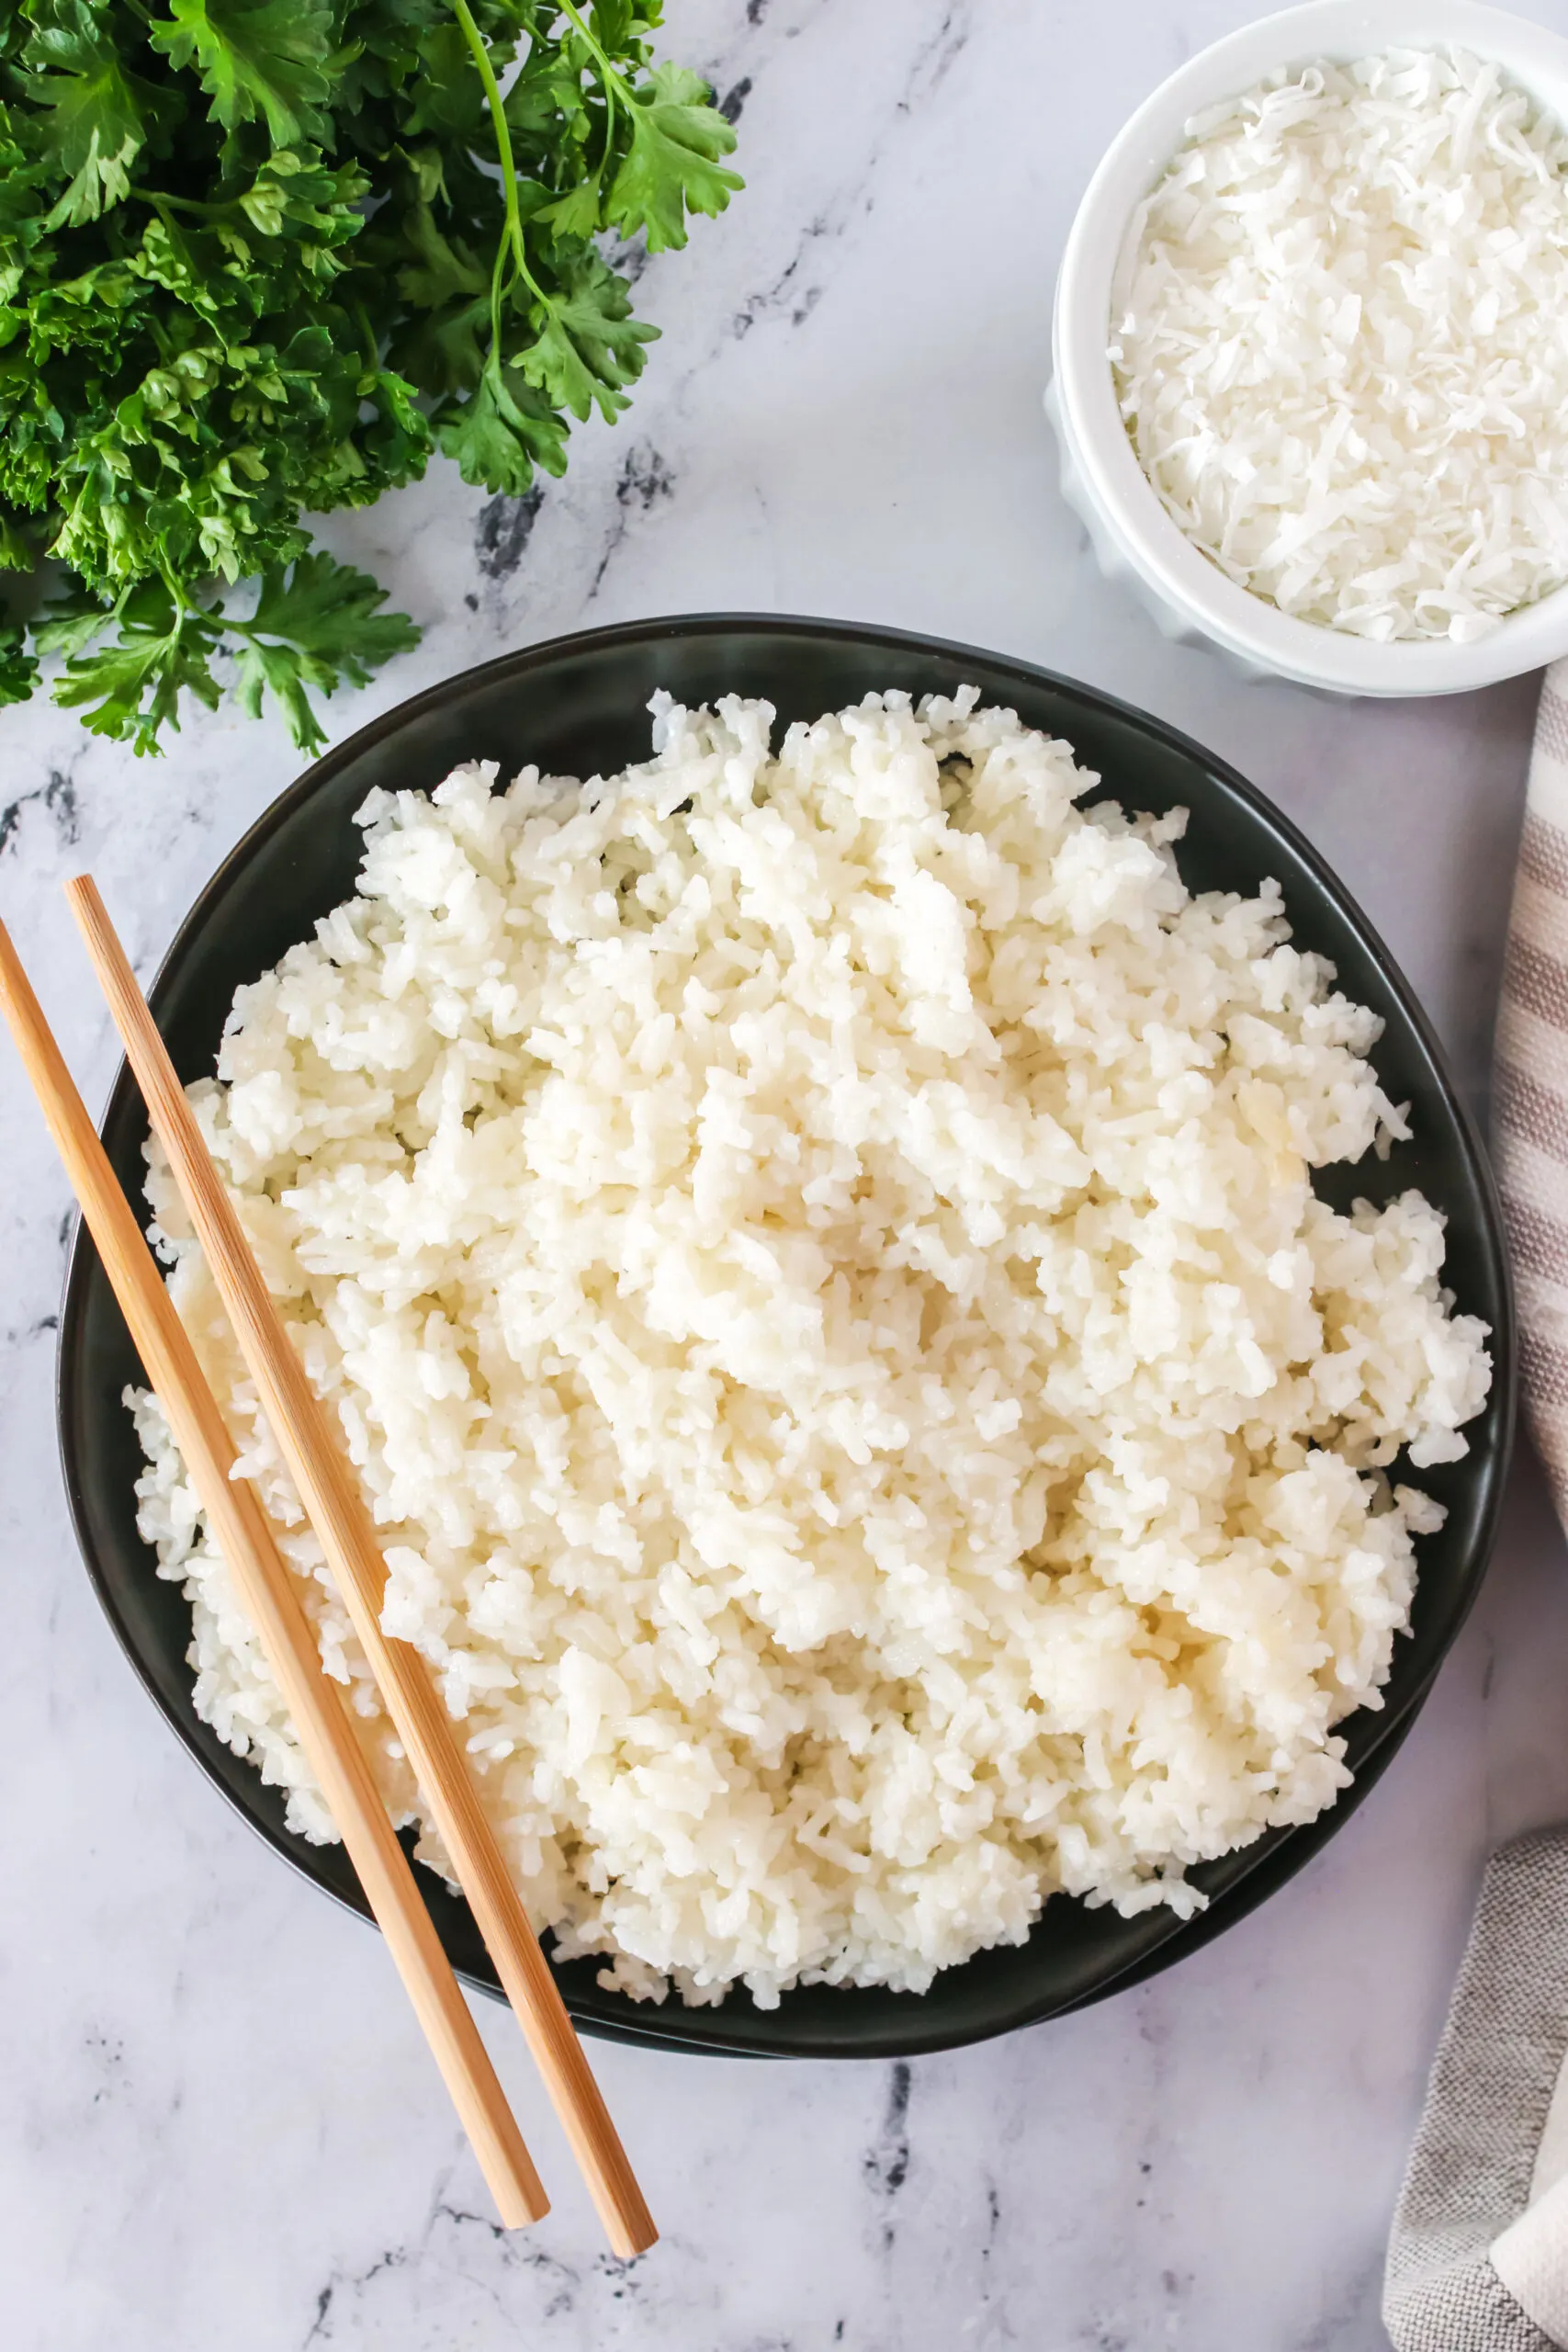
(258, 258)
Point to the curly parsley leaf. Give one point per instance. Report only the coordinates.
(449, 99)
(316, 626)
(90, 121)
(255, 58)
(671, 168)
(295, 194)
(71, 620)
(130, 688)
(17, 551)
(278, 669)
(502, 432)
(442, 269)
(589, 346)
(18, 668)
(331, 613)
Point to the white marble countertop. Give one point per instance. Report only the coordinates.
(219, 2128)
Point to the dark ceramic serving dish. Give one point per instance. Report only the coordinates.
(578, 704)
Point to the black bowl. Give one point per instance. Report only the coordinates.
(577, 705)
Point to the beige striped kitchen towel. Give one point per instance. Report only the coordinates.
(1478, 2256)
(1529, 1101)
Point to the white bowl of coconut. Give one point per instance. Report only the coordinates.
(1310, 349)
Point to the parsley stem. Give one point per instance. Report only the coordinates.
(610, 82)
(366, 333)
(513, 231)
(614, 85)
(162, 203)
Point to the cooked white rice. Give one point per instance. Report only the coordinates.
(816, 1263)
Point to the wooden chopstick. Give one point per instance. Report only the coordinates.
(331, 1494)
(269, 1601)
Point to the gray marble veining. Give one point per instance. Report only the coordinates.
(218, 2125)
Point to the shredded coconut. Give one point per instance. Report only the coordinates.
(1341, 344)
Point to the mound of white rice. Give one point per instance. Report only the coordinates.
(816, 1263)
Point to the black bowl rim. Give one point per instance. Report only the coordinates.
(1273, 1859)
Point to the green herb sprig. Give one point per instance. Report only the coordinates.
(258, 260)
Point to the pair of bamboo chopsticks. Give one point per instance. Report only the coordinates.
(336, 1509)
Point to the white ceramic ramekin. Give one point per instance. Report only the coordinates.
(1132, 534)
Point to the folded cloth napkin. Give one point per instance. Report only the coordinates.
(1530, 1087)
(1478, 2257)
